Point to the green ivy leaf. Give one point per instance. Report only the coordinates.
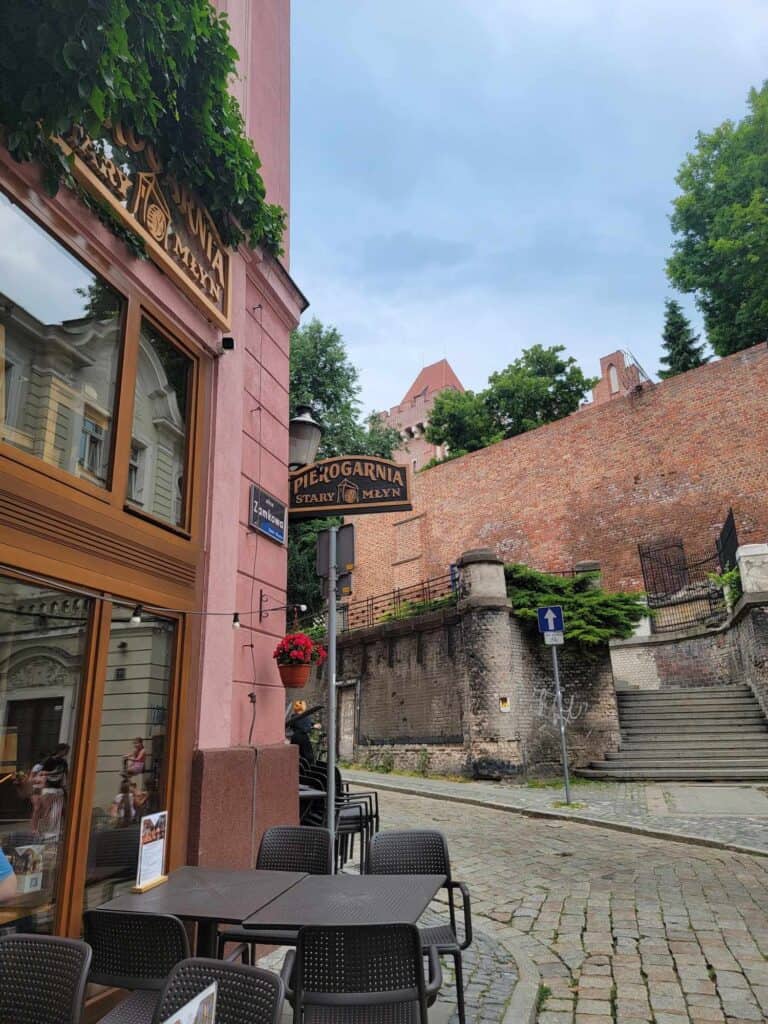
(96, 101)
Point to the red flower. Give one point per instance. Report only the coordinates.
(298, 648)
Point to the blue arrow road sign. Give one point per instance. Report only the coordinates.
(550, 619)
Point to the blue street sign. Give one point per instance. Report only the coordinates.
(550, 619)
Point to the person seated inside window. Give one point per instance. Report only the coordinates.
(7, 879)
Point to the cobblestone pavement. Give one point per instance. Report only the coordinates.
(661, 807)
(624, 929)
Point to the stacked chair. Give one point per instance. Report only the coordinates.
(357, 813)
(426, 853)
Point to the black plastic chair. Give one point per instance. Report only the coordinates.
(357, 814)
(42, 979)
(246, 995)
(425, 852)
(133, 951)
(360, 974)
(282, 848)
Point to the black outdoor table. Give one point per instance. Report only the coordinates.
(209, 896)
(348, 899)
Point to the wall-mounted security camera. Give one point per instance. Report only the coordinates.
(227, 345)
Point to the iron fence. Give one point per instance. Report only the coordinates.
(679, 587)
(402, 602)
(727, 543)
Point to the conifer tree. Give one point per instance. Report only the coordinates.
(681, 351)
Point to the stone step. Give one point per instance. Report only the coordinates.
(729, 721)
(676, 774)
(746, 701)
(681, 707)
(737, 758)
(689, 730)
(732, 736)
(667, 749)
(685, 691)
(717, 700)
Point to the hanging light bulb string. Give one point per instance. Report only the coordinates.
(138, 611)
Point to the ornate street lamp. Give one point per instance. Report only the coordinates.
(304, 435)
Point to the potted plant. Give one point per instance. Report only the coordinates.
(295, 655)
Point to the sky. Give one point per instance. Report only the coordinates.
(472, 177)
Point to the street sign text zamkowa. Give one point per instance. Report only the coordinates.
(349, 485)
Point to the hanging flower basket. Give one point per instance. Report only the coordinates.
(295, 655)
(293, 676)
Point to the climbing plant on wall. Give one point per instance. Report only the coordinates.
(161, 67)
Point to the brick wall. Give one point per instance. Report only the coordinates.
(675, 660)
(750, 650)
(667, 461)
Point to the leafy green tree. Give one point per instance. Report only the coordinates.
(682, 352)
(322, 377)
(537, 388)
(540, 386)
(720, 219)
(461, 420)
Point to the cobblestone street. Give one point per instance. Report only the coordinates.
(622, 928)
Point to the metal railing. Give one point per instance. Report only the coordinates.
(727, 543)
(400, 603)
(679, 587)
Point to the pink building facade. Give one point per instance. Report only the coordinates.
(242, 701)
(125, 548)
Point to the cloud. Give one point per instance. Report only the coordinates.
(473, 178)
(35, 271)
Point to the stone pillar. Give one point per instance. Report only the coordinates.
(482, 577)
(491, 734)
(752, 560)
(237, 793)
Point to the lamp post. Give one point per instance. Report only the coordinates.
(304, 434)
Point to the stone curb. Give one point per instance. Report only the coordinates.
(522, 1005)
(373, 782)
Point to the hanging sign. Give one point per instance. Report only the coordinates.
(349, 485)
(152, 832)
(178, 231)
(267, 515)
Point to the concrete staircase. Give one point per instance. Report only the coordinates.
(713, 733)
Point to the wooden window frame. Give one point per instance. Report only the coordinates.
(72, 870)
(137, 305)
(191, 417)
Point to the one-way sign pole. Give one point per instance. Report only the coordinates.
(552, 627)
(563, 743)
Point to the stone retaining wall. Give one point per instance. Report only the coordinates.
(469, 689)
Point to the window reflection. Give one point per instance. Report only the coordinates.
(158, 448)
(130, 771)
(42, 645)
(60, 336)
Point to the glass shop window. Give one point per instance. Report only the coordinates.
(160, 425)
(60, 343)
(132, 761)
(43, 635)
